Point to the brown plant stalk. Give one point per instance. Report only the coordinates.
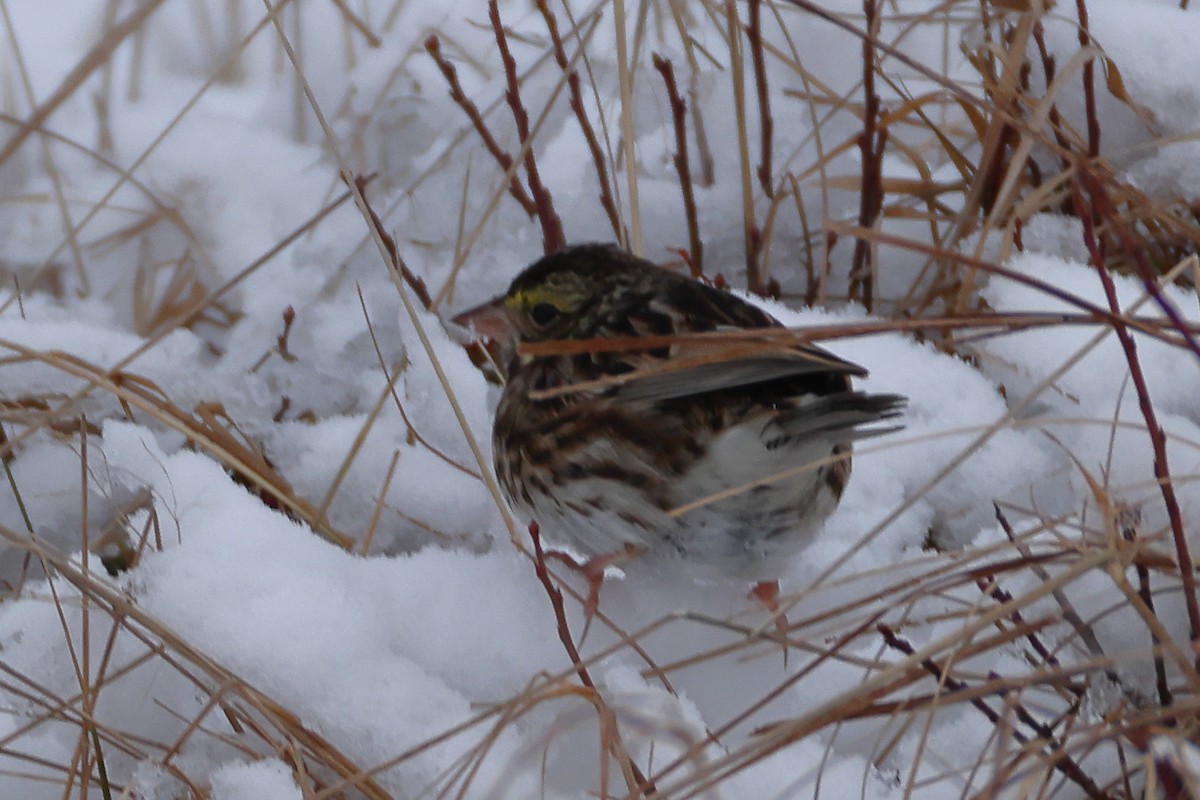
(871, 142)
(552, 232)
(1127, 524)
(1089, 83)
(434, 47)
(1158, 439)
(394, 259)
(765, 121)
(643, 786)
(607, 202)
(682, 168)
(1057, 757)
(752, 234)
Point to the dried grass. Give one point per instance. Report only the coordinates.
(1044, 736)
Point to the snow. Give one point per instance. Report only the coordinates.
(249, 781)
(405, 654)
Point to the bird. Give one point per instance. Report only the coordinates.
(648, 415)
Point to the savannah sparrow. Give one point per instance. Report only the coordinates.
(640, 414)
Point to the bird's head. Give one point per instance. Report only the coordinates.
(567, 295)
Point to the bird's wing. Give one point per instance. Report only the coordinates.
(732, 368)
(695, 367)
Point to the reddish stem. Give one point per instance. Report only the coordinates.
(766, 123)
(389, 243)
(1057, 756)
(552, 232)
(434, 47)
(871, 142)
(1158, 439)
(643, 785)
(585, 124)
(1089, 83)
(679, 116)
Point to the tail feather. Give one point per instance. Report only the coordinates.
(839, 416)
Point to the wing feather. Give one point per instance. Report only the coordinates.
(696, 370)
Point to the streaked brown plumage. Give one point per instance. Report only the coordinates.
(621, 442)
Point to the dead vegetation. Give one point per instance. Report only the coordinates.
(983, 157)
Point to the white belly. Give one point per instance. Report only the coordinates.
(749, 535)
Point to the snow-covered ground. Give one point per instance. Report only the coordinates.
(428, 654)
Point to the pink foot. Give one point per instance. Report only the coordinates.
(593, 572)
(767, 595)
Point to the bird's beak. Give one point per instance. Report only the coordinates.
(486, 320)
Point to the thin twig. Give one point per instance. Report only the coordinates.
(997, 593)
(1053, 117)
(607, 202)
(1082, 629)
(1132, 246)
(682, 168)
(1154, 429)
(766, 123)
(628, 138)
(1126, 522)
(434, 47)
(560, 611)
(552, 232)
(391, 383)
(394, 259)
(1057, 757)
(871, 141)
(644, 786)
(1089, 83)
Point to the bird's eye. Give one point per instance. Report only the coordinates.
(543, 314)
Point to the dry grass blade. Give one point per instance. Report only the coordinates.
(99, 55)
(117, 606)
(204, 429)
(628, 134)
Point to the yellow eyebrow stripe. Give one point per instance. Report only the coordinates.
(527, 298)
